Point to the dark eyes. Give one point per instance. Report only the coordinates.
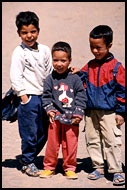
(32, 32)
(23, 33)
(62, 60)
(98, 48)
(55, 60)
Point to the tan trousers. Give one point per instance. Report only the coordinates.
(103, 139)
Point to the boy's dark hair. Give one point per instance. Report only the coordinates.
(102, 31)
(27, 18)
(62, 46)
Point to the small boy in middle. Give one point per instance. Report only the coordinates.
(64, 100)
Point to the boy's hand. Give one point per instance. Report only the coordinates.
(51, 116)
(24, 98)
(76, 120)
(74, 70)
(119, 120)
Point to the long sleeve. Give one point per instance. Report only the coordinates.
(48, 62)
(80, 99)
(16, 71)
(83, 75)
(47, 97)
(120, 91)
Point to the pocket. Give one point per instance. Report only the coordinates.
(117, 133)
(27, 101)
(117, 130)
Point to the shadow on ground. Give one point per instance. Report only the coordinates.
(83, 164)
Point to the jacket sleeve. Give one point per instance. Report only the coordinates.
(47, 101)
(80, 99)
(83, 75)
(120, 91)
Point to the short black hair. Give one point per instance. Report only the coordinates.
(62, 46)
(102, 31)
(27, 18)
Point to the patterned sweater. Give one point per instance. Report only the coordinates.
(65, 95)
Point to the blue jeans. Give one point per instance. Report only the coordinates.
(33, 128)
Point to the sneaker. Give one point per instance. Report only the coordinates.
(30, 170)
(71, 175)
(47, 173)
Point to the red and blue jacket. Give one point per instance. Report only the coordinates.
(104, 82)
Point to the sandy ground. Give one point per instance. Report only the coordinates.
(70, 22)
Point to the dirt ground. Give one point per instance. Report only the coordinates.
(70, 22)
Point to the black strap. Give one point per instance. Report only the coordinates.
(116, 68)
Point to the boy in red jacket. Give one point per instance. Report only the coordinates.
(104, 81)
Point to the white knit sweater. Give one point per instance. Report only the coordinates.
(29, 68)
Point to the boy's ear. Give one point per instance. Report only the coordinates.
(110, 45)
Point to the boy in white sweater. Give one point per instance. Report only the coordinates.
(31, 64)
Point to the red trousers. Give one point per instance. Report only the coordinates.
(67, 135)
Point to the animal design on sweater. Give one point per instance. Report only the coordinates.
(66, 100)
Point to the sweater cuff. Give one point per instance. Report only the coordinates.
(50, 108)
(78, 112)
(21, 93)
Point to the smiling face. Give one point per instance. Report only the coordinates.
(60, 61)
(29, 35)
(98, 48)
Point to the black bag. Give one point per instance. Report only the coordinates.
(10, 103)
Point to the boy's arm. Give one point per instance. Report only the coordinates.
(48, 62)
(47, 100)
(83, 74)
(120, 92)
(16, 72)
(80, 99)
